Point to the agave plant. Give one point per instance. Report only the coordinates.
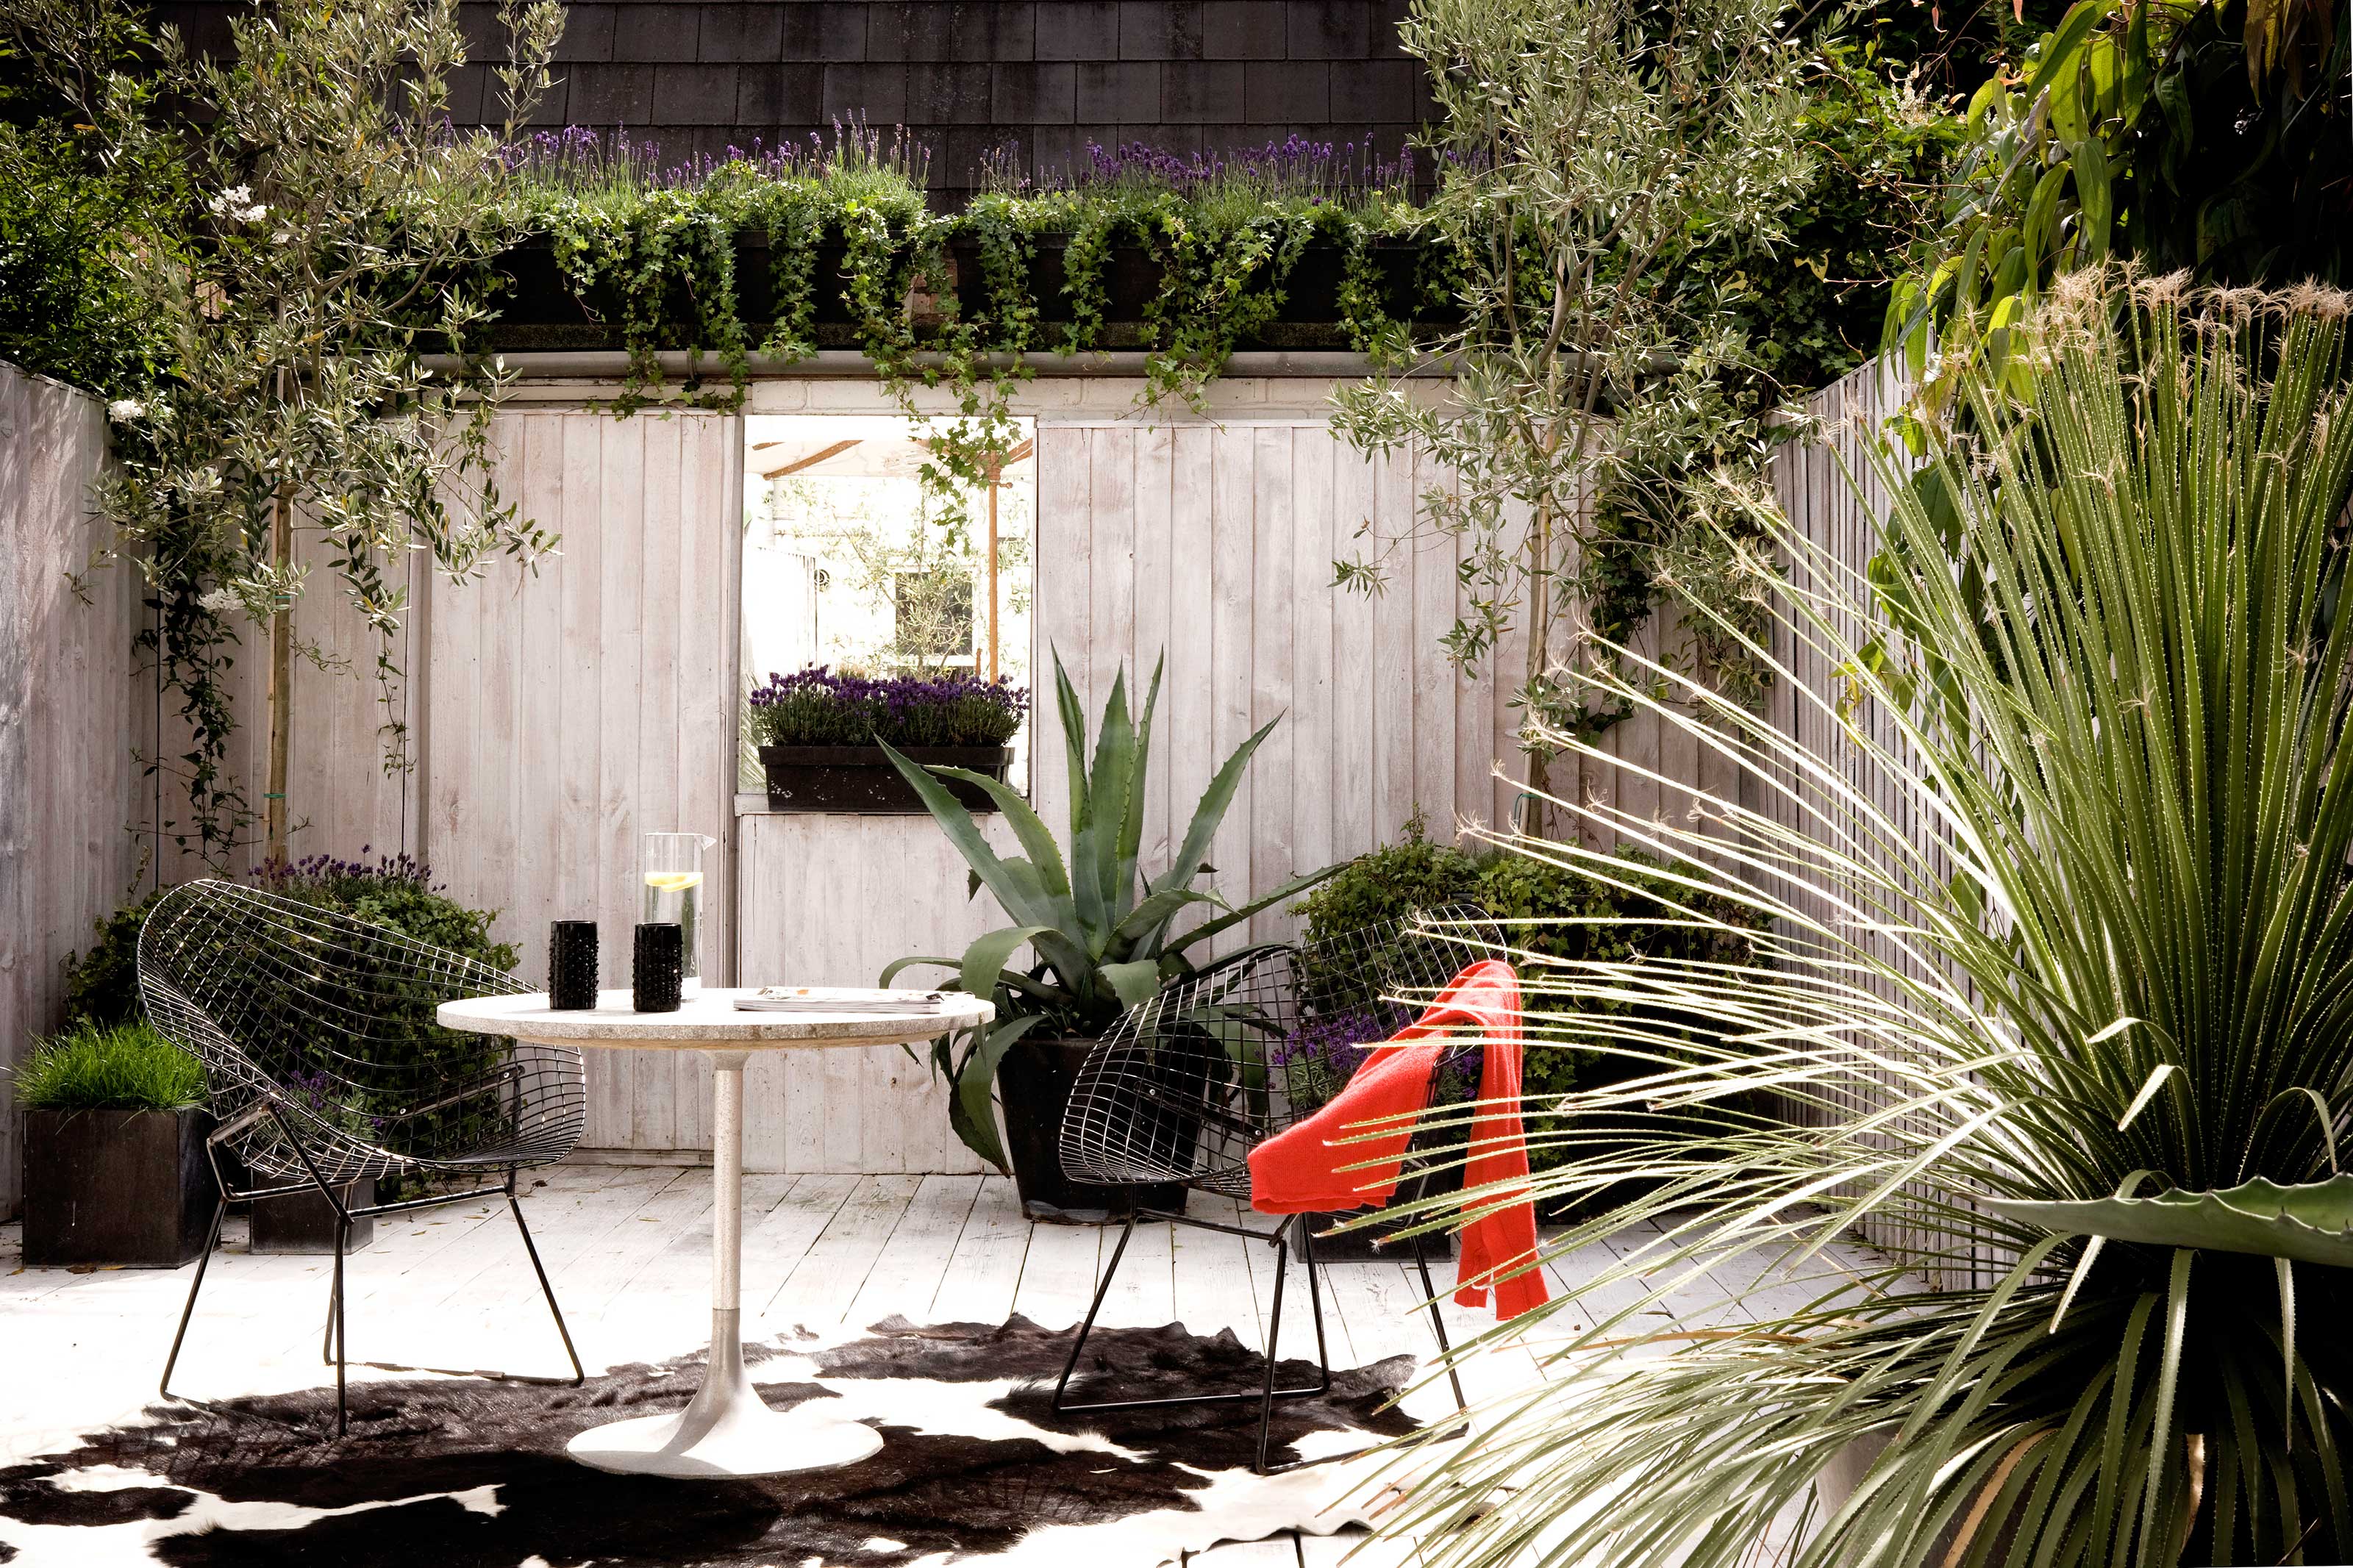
(1102, 932)
(2061, 1016)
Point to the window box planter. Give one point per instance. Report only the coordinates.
(124, 1188)
(861, 779)
(1034, 1083)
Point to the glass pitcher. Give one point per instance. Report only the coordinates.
(673, 888)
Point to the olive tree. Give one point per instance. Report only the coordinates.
(337, 226)
(1583, 145)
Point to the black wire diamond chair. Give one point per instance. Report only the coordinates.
(1187, 1084)
(323, 1066)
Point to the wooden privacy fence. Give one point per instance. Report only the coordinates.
(69, 710)
(1816, 484)
(556, 716)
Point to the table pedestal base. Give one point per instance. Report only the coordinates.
(727, 1431)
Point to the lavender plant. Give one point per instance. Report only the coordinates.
(817, 707)
(1324, 1053)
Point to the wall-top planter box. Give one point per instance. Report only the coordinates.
(861, 779)
(538, 309)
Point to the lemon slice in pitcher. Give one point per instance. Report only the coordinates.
(672, 881)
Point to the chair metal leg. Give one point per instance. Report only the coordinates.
(1064, 1405)
(1087, 1327)
(203, 1261)
(1274, 1334)
(1438, 1323)
(547, 1289)
(1315, 1308)
(342, 1346)
(1266, 1392)
(327, 1334)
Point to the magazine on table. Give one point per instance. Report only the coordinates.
(838, 999)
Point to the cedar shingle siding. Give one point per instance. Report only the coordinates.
(1184, 76)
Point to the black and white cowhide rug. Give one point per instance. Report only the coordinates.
(976, 1465)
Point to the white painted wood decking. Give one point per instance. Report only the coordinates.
(628, 1247)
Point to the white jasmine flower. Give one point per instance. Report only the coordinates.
(123, 410)
(221, 601)
(237, 202)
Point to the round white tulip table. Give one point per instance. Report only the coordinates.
(727, 1430)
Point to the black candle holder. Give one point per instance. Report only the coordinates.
(572, 966)
(657, 965)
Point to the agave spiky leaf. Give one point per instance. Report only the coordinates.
(1101, 934)
(2062, 909)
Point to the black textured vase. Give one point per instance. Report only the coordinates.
(657, 965)
(572, 965)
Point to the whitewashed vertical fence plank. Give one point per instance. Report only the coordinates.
(1156, 589)
(1232, 528)
(1433, 672)
(1354, 763)
(1396, 646)
(68, 786)
(1062, 596)
(1186, 750)
(1311, 720)
(1273, 601)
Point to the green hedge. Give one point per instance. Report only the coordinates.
(1392, 882)
(102, 984)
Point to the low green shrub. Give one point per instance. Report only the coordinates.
(108, 1066)
(390, 890)
(102, 984)
(1392, 882)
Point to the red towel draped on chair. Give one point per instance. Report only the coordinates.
(1297, 1171)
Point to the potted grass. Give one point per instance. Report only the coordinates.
(115, 1172)
(823, 737)
(1101, 934)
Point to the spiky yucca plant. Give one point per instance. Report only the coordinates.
(2054, 1008)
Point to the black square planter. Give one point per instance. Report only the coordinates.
(305, 1222)
(130, 1188)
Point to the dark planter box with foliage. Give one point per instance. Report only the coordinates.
(1035, 1080)
(116, 1187)
(305, 1222)
(115, 1170)
(862, 779)
(818, 733)
(538, 306)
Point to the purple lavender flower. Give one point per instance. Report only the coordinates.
(323, 868)
(1322, 1055)
(814, 707)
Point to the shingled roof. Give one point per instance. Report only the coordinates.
(696, 77)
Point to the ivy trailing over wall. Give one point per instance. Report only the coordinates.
(658, 253)
(759, 256)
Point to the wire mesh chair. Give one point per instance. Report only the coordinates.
(1187, 1084)
(323, 1064)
